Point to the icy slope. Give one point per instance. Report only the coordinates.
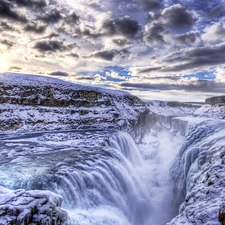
(199, 175)
(37, 103)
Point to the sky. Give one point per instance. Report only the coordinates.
(155, 49)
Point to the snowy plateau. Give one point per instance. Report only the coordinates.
(79, 155)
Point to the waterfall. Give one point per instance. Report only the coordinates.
(99, 185)
(128, 148)
(103, 177)
(106, 179)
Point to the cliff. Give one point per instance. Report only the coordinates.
(37, 103)
(215, 100)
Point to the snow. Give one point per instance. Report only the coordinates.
(216, 111)
(36, 103)
(200, 170)
(166, 108)
(39, 80)
(31, 207)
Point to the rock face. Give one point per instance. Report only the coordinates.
(35, 103)
(221, 216)
(199, 175)
(31, 207)
(215, 100)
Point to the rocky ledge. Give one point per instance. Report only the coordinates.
(38, 103)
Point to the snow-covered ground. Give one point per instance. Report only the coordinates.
(36, 103)
(216, 111)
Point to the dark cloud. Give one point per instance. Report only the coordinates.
(51, 46)
(74, 55)
(59, 73)
(120, 42)
(8, 43)
(35, 27)
(178, 17)
(8, 11)
(109, 55)
(198, 86)
(72, 18)
(186, 39)
(150, 4)
(125, 26)
(154, 33)
(31, 3)
(6, 27)
(84, 78)
(196, 58)
(54, 16)
(148, 69)
(15, 68)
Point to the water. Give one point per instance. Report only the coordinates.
(103, 177)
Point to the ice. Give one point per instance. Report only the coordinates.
(199, 170)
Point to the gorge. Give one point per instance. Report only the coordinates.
(71, 154)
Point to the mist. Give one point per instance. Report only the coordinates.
(158, 150)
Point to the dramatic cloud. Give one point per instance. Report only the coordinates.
(154, 33)
(72, 18)
(54, 16)
(6, 27)
(31, 3)
(15, 68)
(51, 46)
(188, 86)
(125, 26)
(35, 27)
(8, 11)
(59, 73)
(8, 43)
(148, 44)
(178, 17)
(196, 58)
(120, 42)
(109, 55)
(186, 39)
(74, 55)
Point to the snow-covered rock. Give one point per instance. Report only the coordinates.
(31, 207)
(216, 111)
(37, 103)
(164, 115)
(199, 175)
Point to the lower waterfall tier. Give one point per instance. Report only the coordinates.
(95, 173)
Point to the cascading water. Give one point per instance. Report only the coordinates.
(99, 184)
(103, 177)
(104, 182)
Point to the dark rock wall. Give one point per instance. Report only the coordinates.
(215, 100)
